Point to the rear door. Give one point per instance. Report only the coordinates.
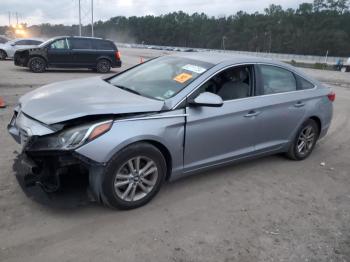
(59, 53)
(82, 52)
(281, 107)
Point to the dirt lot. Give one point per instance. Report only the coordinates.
(271, 209)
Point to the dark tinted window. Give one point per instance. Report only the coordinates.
(81, 43)
(34, 42)
(103, 45)
(304, 84)
(277, 80)
(22, 42)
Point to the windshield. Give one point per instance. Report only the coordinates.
(161, 78)
(46, 42)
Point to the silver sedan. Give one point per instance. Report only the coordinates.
(165, 119)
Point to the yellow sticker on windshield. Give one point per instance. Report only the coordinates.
(182, 78)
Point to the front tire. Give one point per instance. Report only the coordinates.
(3, 55)
(132, 177)
(103, 66)
(305, 141)
(37, 64)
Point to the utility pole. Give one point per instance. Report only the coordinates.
(16, 18)
(9, 18)
(79, 20)
(92, 18)
(223, 42)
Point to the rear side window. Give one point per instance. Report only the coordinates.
(104, 45)
(304, 84)
(34, 42)
(277, 80)
(22, 42)
(81, 43)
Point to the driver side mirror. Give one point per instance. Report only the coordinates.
(207, 99)
(13, 44)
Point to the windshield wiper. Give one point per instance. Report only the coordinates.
(128, 89)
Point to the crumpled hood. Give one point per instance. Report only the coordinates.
(72, 99)
(34, 48)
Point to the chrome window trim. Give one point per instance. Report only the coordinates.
(150, 117)
(242, 64)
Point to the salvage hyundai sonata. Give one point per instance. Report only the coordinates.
(164, 119)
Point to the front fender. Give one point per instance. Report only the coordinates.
(168, 131)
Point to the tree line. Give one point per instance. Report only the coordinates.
(311, 29)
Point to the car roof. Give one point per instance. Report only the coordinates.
(217, 58)
(221, 57)
(80, 37)
(35, 39)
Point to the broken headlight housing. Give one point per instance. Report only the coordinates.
(71, 138)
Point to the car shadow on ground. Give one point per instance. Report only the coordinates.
(74, 195)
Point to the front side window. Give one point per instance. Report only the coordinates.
(59, 44)
(232, 83)
(277, 80)
(160, 78)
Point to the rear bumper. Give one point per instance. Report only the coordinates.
(117, 63)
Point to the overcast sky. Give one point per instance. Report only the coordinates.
(66, 11)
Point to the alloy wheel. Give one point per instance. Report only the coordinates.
(306, 140)
(136, 178)
(37, 65)
(103, 66)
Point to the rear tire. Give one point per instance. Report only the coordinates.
(103, 66)
(37, 64)
(3, 55)
(305, 141)
(131, 178)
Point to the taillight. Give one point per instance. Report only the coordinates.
(331, 96)
(117, 55)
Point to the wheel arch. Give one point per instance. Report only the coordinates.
(37, 55)
(103, 57)
(318, 122)
(161, 147)
(165, 152)
(4, 51)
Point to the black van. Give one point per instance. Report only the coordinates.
(70, 52)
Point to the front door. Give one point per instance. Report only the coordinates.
(59, 53)
(218, 134)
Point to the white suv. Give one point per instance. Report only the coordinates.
(8, 49)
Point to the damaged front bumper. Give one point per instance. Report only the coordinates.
(45, 168)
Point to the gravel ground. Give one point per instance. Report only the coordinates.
(270, 209)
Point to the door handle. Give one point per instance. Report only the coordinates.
(299, 104)
(252, 113)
